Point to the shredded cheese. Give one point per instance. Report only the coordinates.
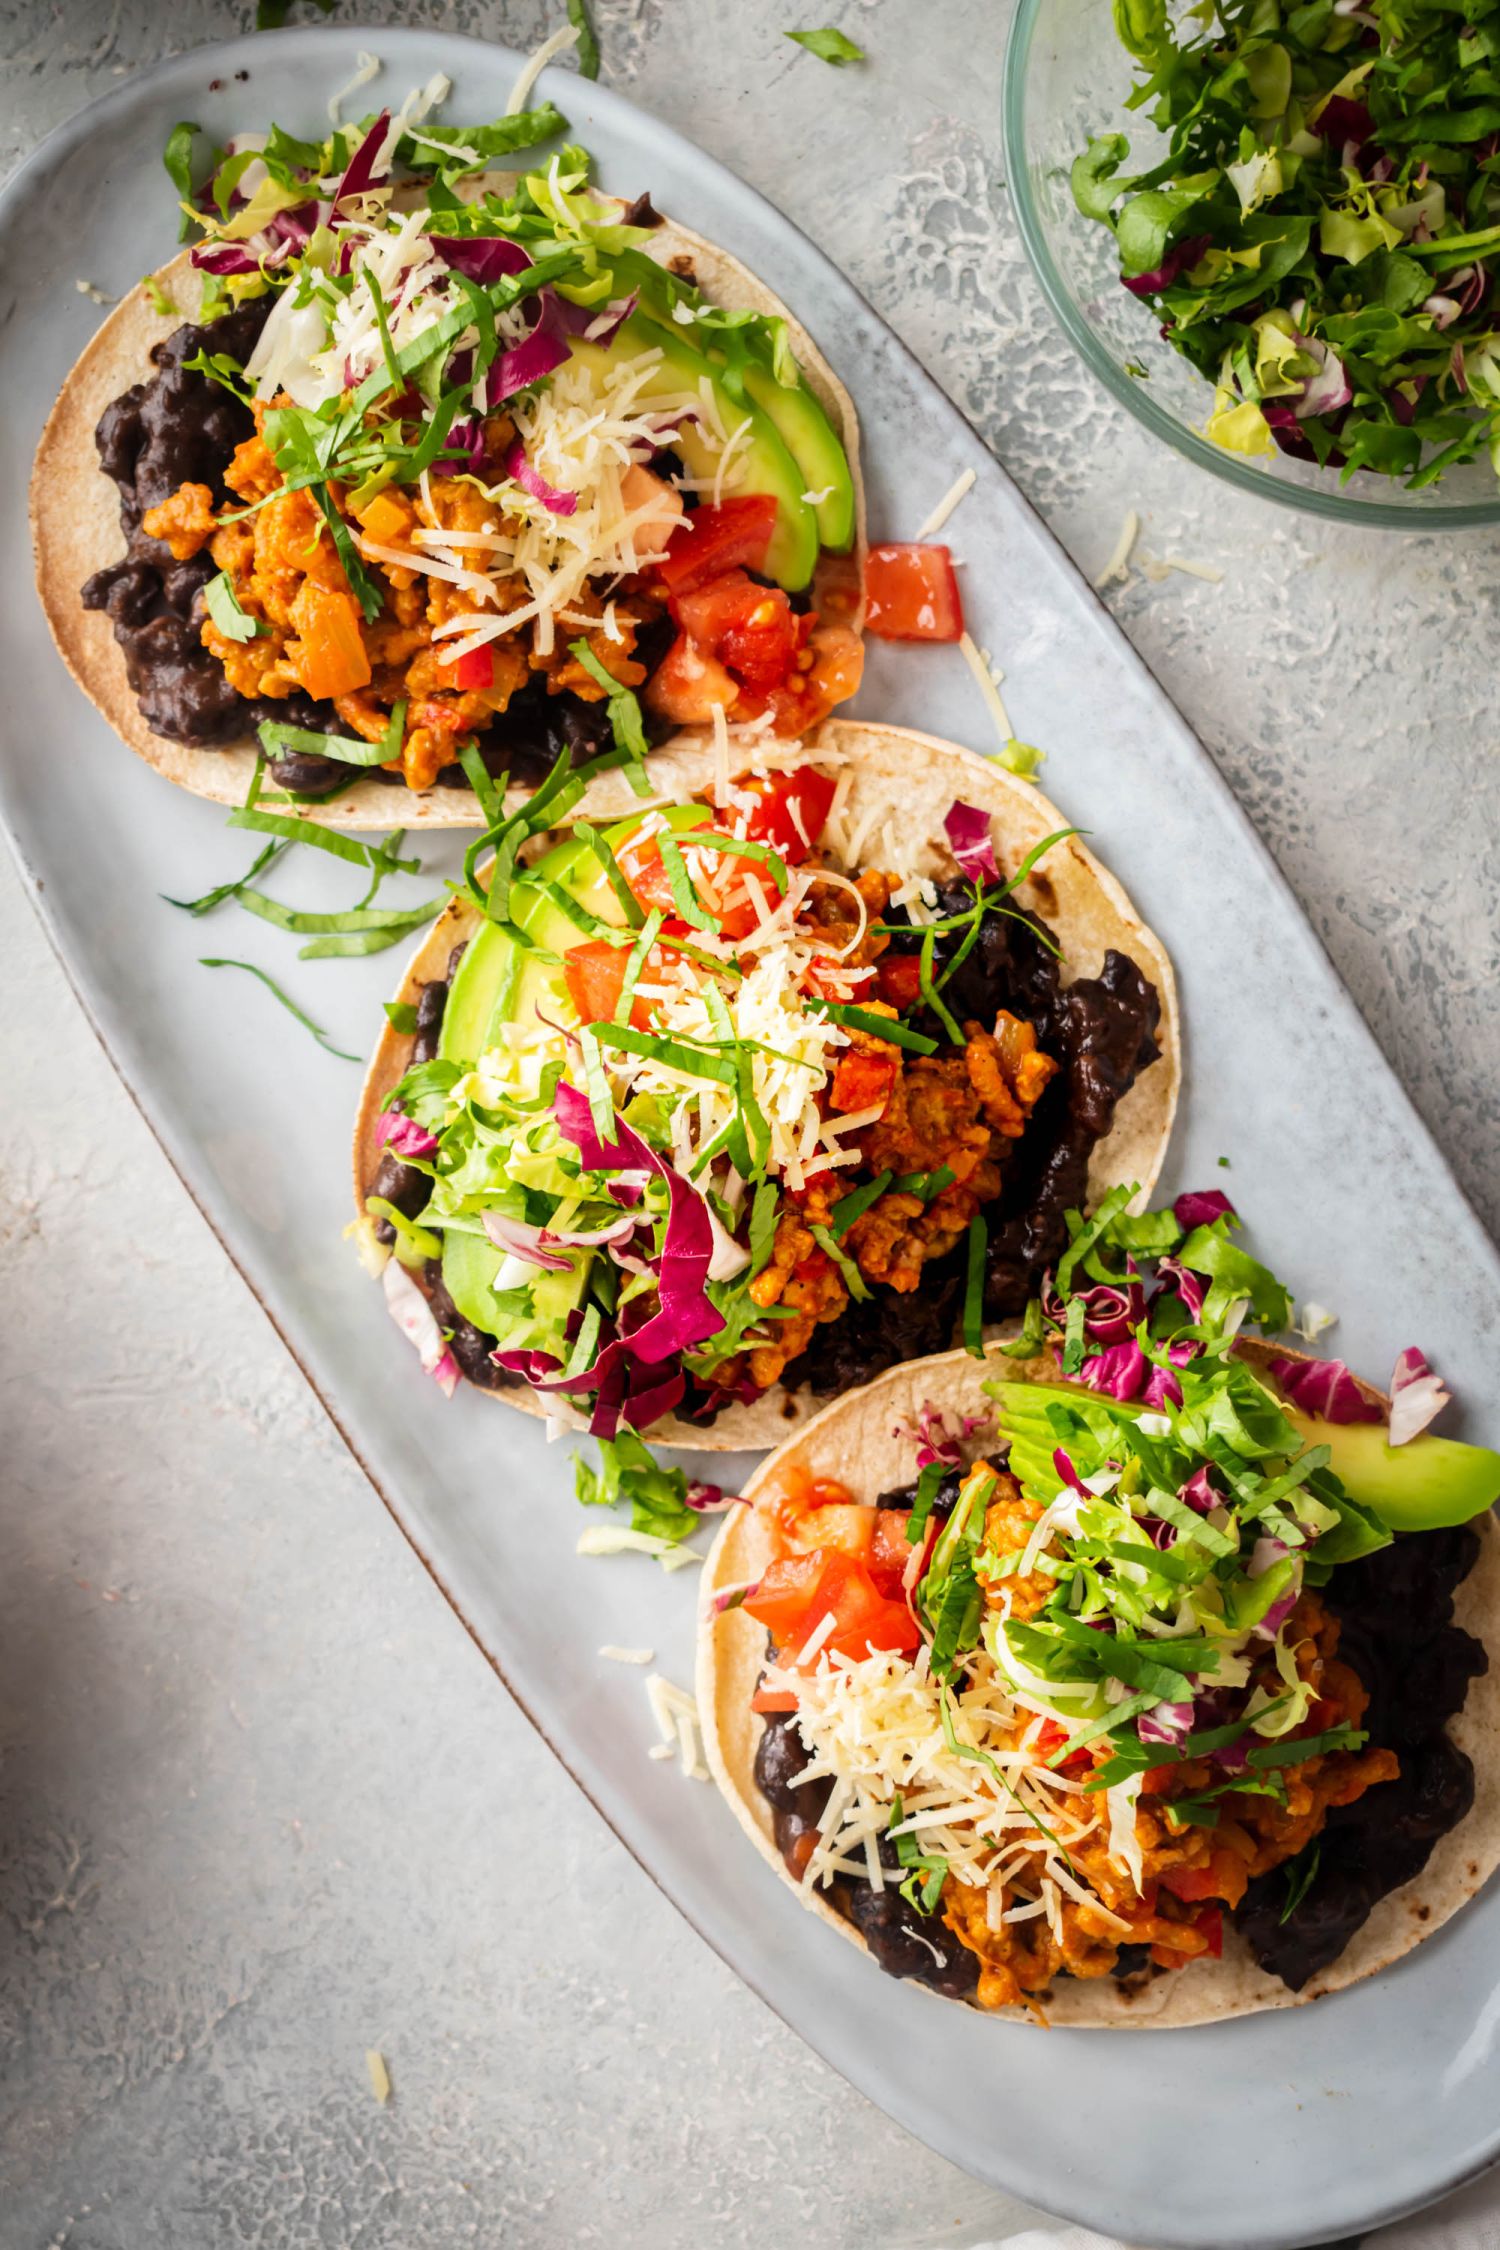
(369, 67)
(628, 1655)
(956, 491)
(875, 1729)
(676, 1716)
(983, 672)
(1118, 566)
(549, 50)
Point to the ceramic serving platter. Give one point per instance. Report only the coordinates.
(1272, 2131)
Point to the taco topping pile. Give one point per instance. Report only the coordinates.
(1063, 1710)
(718, 1083)
(440, 465)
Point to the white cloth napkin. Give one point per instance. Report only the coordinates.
(1469, 2220)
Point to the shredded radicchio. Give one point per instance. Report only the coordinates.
(967, 828)
(1323, 1387)
(1201, 1206)
(1418, 1396)
(1179, 260)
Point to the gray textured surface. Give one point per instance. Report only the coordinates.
(201, 1598)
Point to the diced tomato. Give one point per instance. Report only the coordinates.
(688, 686)
(890, 1549)
(773, 1699)
(1221, 1876)
(474, 673)
(789, 810)
(899, 977)
(911, 594)
(862, 1082)
(1051, 1740)
(1190, 1882)
(797, 1592)
(329, 657)
(1210, 1925)
(642, 867)
(732, 536)
(787, 1590)
(752, 630)
(594, 975)
(843, 1528)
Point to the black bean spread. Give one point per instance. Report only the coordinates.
(1103, 1031)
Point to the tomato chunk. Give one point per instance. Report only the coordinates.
(732, 536)
(752, 630)
(912, 594)
(862, 1082)
(595, 976)
(789, 811)
(797, 1592)
(1210, 1925)
(899, 977)
(474, 673)
(773, 1699)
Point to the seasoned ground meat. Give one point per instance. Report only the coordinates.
(1103, 1032)
(1396, 1611)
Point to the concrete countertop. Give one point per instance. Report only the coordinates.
(264, 1806)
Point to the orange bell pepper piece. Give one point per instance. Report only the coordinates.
(330, 657)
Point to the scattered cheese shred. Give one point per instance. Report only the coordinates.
(1117, 569)
(973, 1791)
(628, 1655)
(983, 672)
(369, 67)
(380, 2077)
(1157, 571)
(676, 1716)
(960, 487)
(549, 50)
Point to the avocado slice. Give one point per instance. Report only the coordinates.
(764, 464)
(817, 449)
(498, 982)
(1421, 1486)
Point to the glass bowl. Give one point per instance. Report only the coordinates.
(1066, 79)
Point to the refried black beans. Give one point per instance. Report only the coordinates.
(182, 427)
(177, 428)
(1103, 1031)
(1396, 1611)
(906, 1942)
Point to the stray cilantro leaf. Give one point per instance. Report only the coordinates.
(401, 1016)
